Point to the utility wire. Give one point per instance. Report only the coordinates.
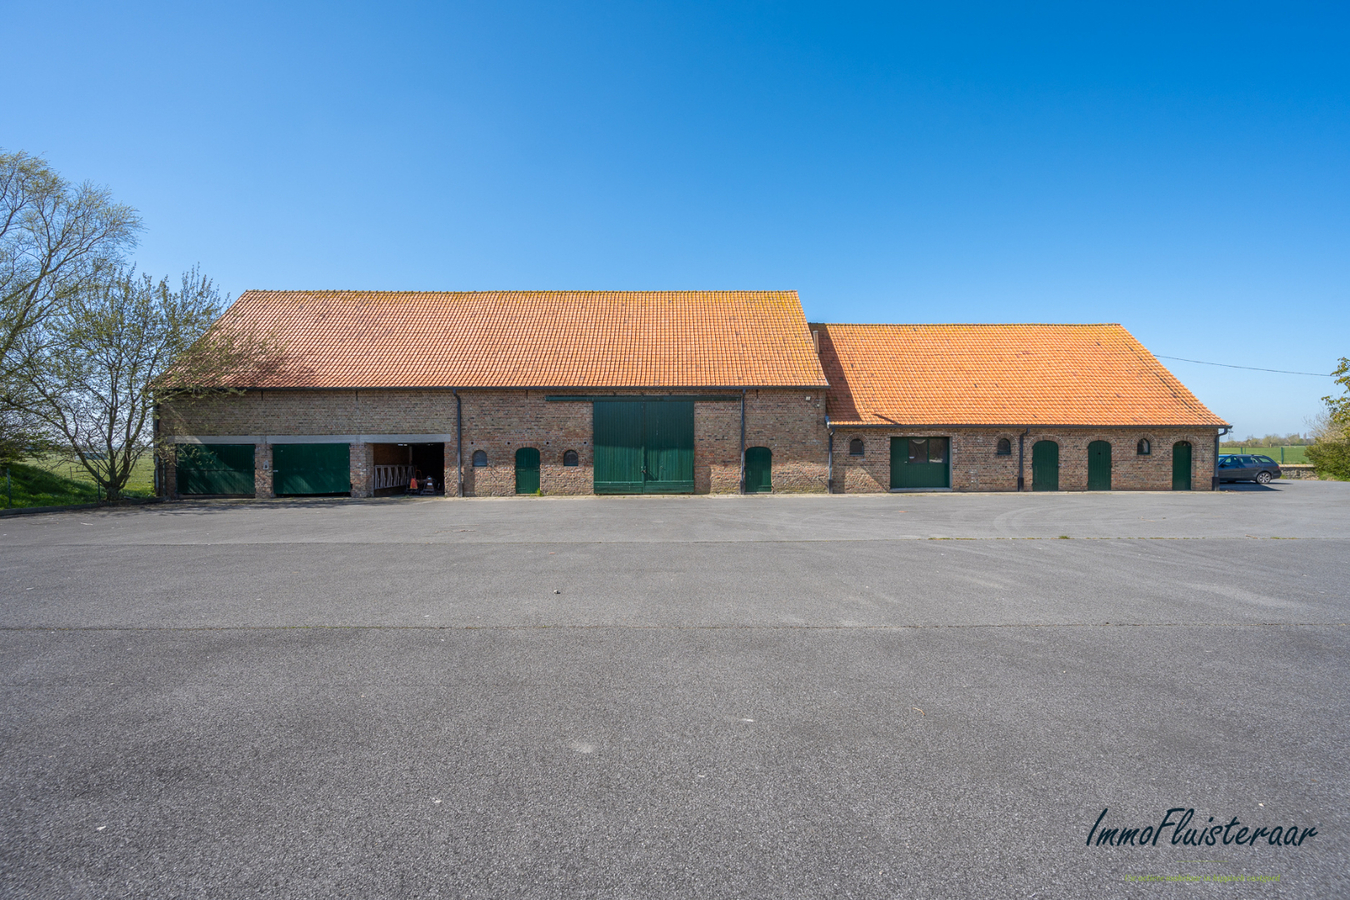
(1251, 368)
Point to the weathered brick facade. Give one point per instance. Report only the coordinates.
(498, 423)
(976, 465)
(331, 387)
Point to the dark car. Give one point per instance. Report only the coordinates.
(1236, 467)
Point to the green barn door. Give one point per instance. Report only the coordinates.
(644, 446)
(758, 470)
(215, 469)
(920, 462)
(669, 445)
(1181, 466)
(1099, 466)
(311, 469)
(619, 455)
(527, 470)
(1045, 466)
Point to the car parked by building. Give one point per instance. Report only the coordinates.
(1244, 467)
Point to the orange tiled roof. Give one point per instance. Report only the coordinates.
(1000, 375)
(553, 339)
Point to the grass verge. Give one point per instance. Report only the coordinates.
(55, 481)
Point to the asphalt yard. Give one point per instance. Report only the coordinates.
(926, 695)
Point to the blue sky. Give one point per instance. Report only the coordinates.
(1185, 173)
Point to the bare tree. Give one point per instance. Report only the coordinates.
(55, 238)
(117, 345)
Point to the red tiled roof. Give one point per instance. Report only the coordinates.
(1000, 375)
(513, 339)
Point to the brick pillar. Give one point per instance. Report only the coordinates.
(451, 474)
(169, 460)
(262, 471)
(362, 465)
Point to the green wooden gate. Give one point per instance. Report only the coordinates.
(644, 446)
(758, 470)
(1181, 466)
(311, 469)
(215, 469)
(920, 462)
(527, 470)
(1099, 466)
(1045, 466)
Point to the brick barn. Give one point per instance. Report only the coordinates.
(607, 392)
(1008, 408)
(498, 393)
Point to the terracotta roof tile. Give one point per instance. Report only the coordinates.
(1000, 375)
(553, 339)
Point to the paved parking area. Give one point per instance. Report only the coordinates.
(920, 695)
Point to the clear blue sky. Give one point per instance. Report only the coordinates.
(1185, 173)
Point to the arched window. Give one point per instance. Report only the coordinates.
(570, 458)
(855, 447)
(1144, 448)
(1004, 447)
(479, 458)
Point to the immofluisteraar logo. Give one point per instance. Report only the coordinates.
(1207, 835)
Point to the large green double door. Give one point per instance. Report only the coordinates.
(644, 446)
(207, 469)
(300, 469)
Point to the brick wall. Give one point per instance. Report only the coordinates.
(976, 466)
(313, 413)
(789, 423)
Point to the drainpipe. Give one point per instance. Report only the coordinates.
(1214, 482)
(459, 441)
(1021, 458)
(829, 483)
(742, 440)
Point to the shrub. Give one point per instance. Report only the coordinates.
(1331, 458)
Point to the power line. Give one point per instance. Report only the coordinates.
(1251, 368)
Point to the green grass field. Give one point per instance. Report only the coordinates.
(58, 481)
(1294, 455)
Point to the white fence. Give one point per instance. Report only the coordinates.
(392, 476)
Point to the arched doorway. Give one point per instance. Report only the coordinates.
(1181, 466)
(1045, 466)
(527, 470)
(758, 470)
(1099, 466)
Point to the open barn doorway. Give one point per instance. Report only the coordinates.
(397, 465)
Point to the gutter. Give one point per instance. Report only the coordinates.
(930, 426)
(1214, 481)
(829, 483)
(1021, 458)
(538, 387)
